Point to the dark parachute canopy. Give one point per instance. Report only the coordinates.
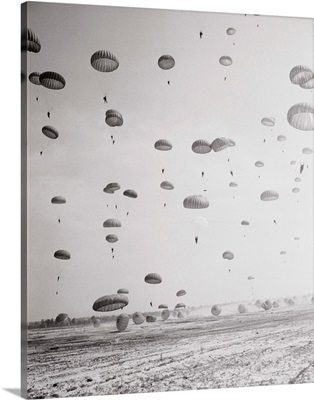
(153, 278)
(34, 78)
(228, 255)
(62, 255)
(33, 43)
(150, 319)
(245, 223)
(162, 306)
(114, 118)
(52, 80)
(58, 200)
(216, 310)
(110, 302)
(165, 314)
(163, 145)
(201, 146)
(112, 187)
(226, 61)
(230, 31)
(196, 202)
(181, 292)
(111, 238)
(96, 323)
(180, 305)
(130, 193)
(138, 318)
(112, 223)
(166, 62)
(122, 322)
(50, 132)
(123, 291)
(61, 317)
(166, 185)
(104, 61)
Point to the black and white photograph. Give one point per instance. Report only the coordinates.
(167, 220)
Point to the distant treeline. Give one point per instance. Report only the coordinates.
(83, 321)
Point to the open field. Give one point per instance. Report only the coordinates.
(198, 352)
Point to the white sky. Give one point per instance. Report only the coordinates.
(198, 104)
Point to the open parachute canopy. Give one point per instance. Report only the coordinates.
(220, 144)
(112, 223)
(61, 317)
(301, 116)
(166, 185)
(201, 146)
(110, 302)
(269, 195)
(230, 31)
(104, 61)
(216, 310)
(166, 62)
(225, 61)
(62, 255)
(228, 255)
(50, 132)
(111, 238)
(123, 291)
(181, 293)
(58, 200)
(138, 318)
(150, 319)
(130, 193)
(165, 314)
(112, 187)
(34, 78)
(300, 74)
(268, 121)
(162, 306)
(114, 118)
(122, 322)
(33, 43)
(196, 202)
(52, 80)
(163, 145)
(153, 278)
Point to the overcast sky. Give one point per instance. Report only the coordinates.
(198, 104)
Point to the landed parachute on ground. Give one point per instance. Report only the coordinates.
(225, 61)
(58, 200)
(268, 121)
(122, 322)
(242, 309)
(138, 318)
(165, 314)
(150, 318)
(153, 278)
(166, 62)
(130, 193)
(111, 238)
(50, 132)
(112, 187)
(216, 310)
(112, 223)
(230, 31)
(220, 144)
(181, 293)
(166, 185)
(196, 202)
(61, 317)
(300, 74)
(62, 255)
(33, 43)
(34, 78)
(110, 302)
(301, 116)
(201, 146)
(269, 304)
(163, 145)
(52, 80)
(104, 61)
(269, 195)
(228, 255)
(123, 291)
(113, 118)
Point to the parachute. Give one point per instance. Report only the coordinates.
(112, 187)
(298, 179)
(307, 150)
(138, 318)
(233, 184)
(167, 185)
(180, 305)
(52, 80)
(216, 310)
(180, 314)
(96, 323)
(130, 193)
(150, 319)
(250, 278)
(300, 74)
(292, 162)
(232, 143)
(301, 116)
(163, 145)
(220, 144)
(165, 314)
(104, 61)
(228, 255)
(225, 61)
(242, 309)
(62, 255)
(34, 78)
(122, 322)
(291, 302)
(166, 62)
(114, 118)
(258, 303)
(195, 202)
(110, 302)
(265, 306)
(162, 306)
(58, 200)
(269, 195)
(230, 31)
(199, 223)
(112, 223)
(295, 190)
(269, 304)
(111, 238)
(268, 121)
(153, 278)
(33, 43)
(281, 138)
(283, 252)
(275, 304)
(259, 164)
(308, 85)
(181, 293)
(50, 132)
(123, 291)
(61, 317)
(201, 146)
(245, 223)
(296, 238)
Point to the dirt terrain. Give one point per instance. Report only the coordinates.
(198, 352)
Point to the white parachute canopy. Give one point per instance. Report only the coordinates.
(199, 223)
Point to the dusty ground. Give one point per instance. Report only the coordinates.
(258, 348)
